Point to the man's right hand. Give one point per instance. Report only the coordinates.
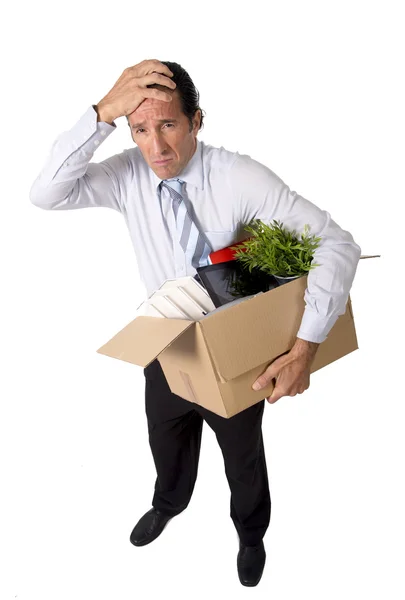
(130, 90)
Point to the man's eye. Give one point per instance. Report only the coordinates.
(138, 130)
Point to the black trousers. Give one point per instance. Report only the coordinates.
(175, 428)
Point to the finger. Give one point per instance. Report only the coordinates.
(271, 372)
(274, 397)
(278, 392)
(261, 382)
(267, 377)
(155, 77)
(158, 94)
(157, 66)
(274, 368)
(149, 66)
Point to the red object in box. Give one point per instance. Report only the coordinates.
(225, 254)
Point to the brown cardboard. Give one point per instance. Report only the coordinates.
(213, 362)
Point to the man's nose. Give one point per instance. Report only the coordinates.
(159, 145)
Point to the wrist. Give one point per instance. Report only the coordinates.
(104, 114)
(304, 348)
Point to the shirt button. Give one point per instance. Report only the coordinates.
(102, 132)
(96, 142)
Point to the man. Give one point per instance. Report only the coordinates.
(223, 191)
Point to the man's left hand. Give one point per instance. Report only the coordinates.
(291, 371)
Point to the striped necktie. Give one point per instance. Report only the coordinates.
(194, 242)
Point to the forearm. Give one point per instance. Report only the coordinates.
(263, 195)
(328, 285)
(305, 349)
(67, 163)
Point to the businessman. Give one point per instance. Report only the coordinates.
(182, 198)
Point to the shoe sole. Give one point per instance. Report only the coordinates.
(250, 584)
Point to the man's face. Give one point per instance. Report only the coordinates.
(158, 141)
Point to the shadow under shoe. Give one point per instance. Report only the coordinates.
(149, 527)
(250, 562)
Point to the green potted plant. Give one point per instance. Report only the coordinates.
(277, 251)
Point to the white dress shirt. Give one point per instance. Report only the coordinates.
(226, 189)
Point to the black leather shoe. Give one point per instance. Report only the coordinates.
(250, 561)
(149, 527)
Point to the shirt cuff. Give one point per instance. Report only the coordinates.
(315, 327)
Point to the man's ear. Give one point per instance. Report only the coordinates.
(196, 120)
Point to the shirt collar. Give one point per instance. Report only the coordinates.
(192, 173)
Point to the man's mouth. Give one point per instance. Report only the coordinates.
(162, 162)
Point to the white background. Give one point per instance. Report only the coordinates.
(314, 90)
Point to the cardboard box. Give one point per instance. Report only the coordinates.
(214, 361)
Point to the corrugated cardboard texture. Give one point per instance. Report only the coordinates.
(144, 338)
(191, 374)
(255, 330)
(237, 394)
(189, 371)
(214, 362)
(342, 340)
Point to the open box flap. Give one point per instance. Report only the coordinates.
(258, 330)
(142, 340)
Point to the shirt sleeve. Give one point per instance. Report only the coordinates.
(263, 195)
(68, 180)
